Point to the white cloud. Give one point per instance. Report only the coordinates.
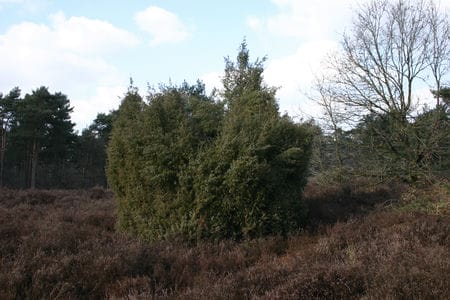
(34, 54)
(104, 100)
(305, 19)
(444, 4)
(212, 80)
(162, 25)
(255, 23)
(83, 35)
(423, 97)
(313, 25)
(294, 75)
(313, 19)
(300, 66)
(31, 54)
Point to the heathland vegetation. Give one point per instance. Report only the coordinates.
(389, 242)
(221, 196)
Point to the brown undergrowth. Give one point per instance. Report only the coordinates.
(62, 245)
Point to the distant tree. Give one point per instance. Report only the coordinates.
(332, 141)
(432, 128)
(101, 127)
(90, 153)
(439, 47)
(444, 95)
(385, 54)
(7, 114)
(42, 128)
(391, 48)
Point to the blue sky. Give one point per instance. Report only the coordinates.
(89, 49)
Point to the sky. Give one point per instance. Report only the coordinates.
(90, 49)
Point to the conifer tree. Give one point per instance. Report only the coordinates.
(186, 165)
(250, 182)
(42, 130)
(124, 158)
(150, 149)
(7, 114)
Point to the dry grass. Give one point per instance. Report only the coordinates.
(62, 245)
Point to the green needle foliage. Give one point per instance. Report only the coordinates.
(185, 165)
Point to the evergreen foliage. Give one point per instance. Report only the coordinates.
(7, 112)
(185, 165)
(90, 153)
(39, 147)
(41, 133)
(150, 148)
(249, 183)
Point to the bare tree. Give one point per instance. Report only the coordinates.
(392, 48)
(333, 120)
(439, 58)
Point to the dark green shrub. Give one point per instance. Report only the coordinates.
(185, 165)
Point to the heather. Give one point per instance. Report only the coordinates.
(62, 244)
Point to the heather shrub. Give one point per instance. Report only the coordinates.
(69, 250)
(327, 204)
(433, 198)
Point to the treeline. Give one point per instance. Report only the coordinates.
(39, 148)
(382, 149)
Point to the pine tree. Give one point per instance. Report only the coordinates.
(42, 129)
(7, 115)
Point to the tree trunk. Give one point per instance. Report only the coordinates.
(34, 162)
(2, 155)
